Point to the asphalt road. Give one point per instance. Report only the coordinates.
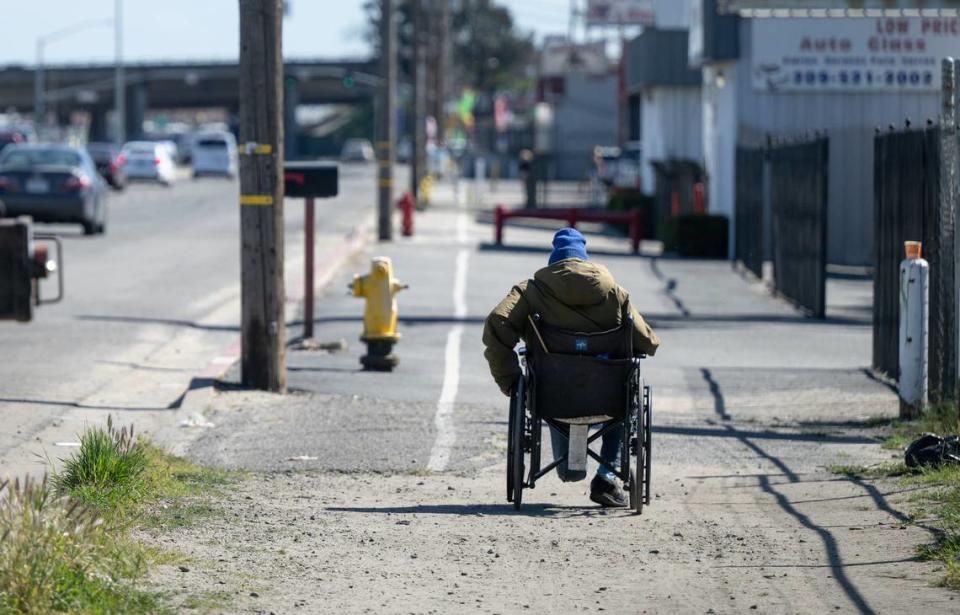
(147, 305)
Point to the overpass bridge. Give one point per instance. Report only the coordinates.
(181, 85)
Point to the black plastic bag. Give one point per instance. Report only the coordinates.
(931, 450)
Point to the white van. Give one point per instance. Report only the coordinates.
(214, 153)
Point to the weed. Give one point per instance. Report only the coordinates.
(56, 555)
(107, 470)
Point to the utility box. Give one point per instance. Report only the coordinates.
(16, 279)
(914, 325)
(311, 179)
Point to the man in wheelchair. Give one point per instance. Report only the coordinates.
(570, 294)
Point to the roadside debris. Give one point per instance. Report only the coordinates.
(196, 420)
(319, 346)
(932, 450)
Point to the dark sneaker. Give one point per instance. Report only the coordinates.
(607, 493)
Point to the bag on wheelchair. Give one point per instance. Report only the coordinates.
(580, 374)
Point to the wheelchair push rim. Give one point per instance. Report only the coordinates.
(515, 445)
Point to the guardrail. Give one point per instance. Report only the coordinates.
(572, 216)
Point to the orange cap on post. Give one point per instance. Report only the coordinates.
(913, 249)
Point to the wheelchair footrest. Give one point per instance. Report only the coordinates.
(577, 448)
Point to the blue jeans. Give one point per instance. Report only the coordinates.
(609, 452)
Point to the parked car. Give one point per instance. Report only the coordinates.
(110, 163)
(172, 148)
(357, 150)
(16, 133)
(149, 160)
(214, 153)
(53, 183)
(8, 138)
(184, 141)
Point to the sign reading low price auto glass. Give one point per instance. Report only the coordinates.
(852, 54)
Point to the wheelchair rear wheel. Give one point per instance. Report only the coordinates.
(647, 442)
(640, 448)
(515, 434)
(637, 469)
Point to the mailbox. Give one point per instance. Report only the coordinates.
(310, 179)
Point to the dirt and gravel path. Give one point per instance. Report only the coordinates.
(721, 539)
(339, 513)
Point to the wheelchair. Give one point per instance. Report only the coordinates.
(570, 381)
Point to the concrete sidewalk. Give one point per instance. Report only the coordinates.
(751, 402)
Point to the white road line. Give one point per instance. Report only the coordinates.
(443, 419)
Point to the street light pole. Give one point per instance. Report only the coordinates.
(39, 73)
(39, 112)
(119, 91)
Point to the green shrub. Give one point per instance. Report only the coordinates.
(628, 199)
(697, 235)
(108, 468)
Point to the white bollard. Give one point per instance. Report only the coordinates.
(479, 173)
(914, 318)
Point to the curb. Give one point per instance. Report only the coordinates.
(201, 389)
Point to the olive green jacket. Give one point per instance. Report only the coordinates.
(570, 294)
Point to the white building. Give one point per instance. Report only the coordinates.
(580, 84)
(845, 77)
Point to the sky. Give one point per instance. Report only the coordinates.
(205, 29)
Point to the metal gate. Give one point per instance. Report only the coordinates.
(798, 196)
(913, 202)
(749, 221)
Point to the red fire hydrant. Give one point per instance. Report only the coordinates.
(406, 205)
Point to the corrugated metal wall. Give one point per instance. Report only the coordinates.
(672, 128)
(850, 120)
(584, 118)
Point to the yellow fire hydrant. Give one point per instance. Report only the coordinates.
(380, 289)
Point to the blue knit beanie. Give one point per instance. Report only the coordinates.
(568, 243)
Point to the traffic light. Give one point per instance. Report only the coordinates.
(16, 283)
(348, 81)
(23, 263)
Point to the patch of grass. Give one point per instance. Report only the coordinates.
(57, 555)
(65, 544)
(941, 498)
(208, 601)
(178, 515)
(107, 471)
(882, 470)
(943, 502)
(174, 477)
(847, 470)
(940, 419)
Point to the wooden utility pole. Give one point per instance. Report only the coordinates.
(263, 335)
(419, 102)
(444, 24)
(386, 120)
